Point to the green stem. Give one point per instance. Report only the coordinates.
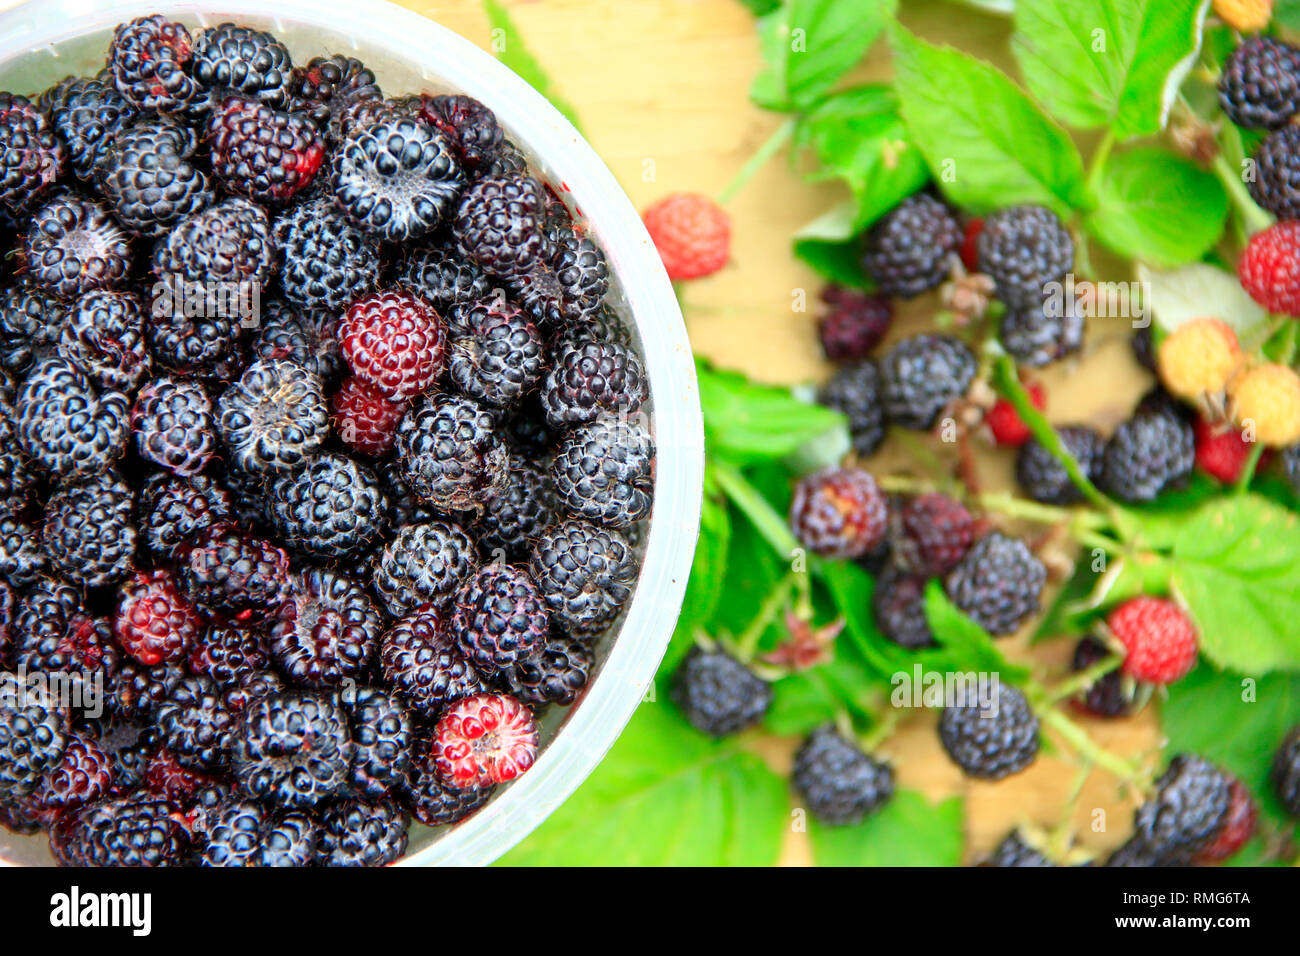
(1013, 507)
(756, 162)
(1287, 355)
(1092, 539)
(1086, 747)
(1254, 218)
(765, 519)
(1007, 381)
(1248, 472)
(1097, 165)
(885, 725)
(1082, 680)
(747, 643)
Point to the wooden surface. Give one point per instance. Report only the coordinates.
(660, 87)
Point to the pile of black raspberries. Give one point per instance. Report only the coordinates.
(321, 457)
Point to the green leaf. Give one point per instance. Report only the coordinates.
(807, 45)
(1114, 63)
(752, 570)
(1211, 713)
(987, 143)
(746, 421)
(859, 137)
(830, 244)
(964, 645)
(1287, 13)
(808, 698)
(514, 54)
(908, 831)
(1198, 290)
(969, 646)
(1065, 616)
(761, 8)
(666, 796)
(708, 571)
(1158, 207)
(1236, 562)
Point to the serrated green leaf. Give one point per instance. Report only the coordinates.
(987, 143)
(665, 796)
(908, 831)
(1157, 207)
(1114, 63)
(858, 136)
(807, 45)
(1210, 712)
(745, 421)
(1236, 562)
(513, 53)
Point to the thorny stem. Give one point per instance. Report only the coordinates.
(1086, 747)
(756, 162)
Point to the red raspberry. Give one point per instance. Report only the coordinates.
(1220, 450)
(154, 622)
(838, 513)
(1270, 268)
(1005, 422)
(1238, 826)
(484, 739)
(395, 341)
(854, 325)
(970, 256)
(1159, 637)
(364, 418)
(692, 234)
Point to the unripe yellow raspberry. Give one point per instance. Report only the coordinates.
(1267, 400)
(1199, 356)
(1248, 16)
